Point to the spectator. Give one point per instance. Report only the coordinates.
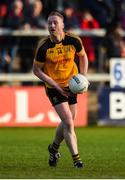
(107, 14)
(3, 12)
(122, 15)
(14, 21)
(102, 10)
(114, 44)
(88, 22)
(36, 18)
(16, 17)
(49, 5)
(3, 62)
(70, 16)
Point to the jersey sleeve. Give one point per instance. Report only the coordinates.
(40, 53)
(79, 47)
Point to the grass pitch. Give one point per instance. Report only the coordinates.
(23, 154)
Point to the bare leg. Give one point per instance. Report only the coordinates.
(65, 114)
(59, 137)
(73, 109)
(59, 134)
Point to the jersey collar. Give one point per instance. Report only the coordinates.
(60, 41)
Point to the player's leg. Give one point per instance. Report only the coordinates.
(65, 130)
(65, 115)
(59, 130)
(73, 109)
(59, 134)
(76, 158)
(53, 148)
(56, 98)
(71, 135)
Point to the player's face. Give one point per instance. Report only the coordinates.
(55, 25)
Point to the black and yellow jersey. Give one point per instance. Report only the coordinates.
(59, 57)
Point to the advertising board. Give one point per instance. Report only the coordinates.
(29, 106)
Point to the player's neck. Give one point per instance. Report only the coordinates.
(57, 37)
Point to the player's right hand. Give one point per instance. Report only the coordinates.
(63, 92)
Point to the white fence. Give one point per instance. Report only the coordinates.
(40, 32)
(31, 77)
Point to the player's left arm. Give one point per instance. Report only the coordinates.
(83, 59)
(83, 64)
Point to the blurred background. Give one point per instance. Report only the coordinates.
(99, 23)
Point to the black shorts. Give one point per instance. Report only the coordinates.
(56, 98)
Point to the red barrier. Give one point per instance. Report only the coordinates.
(29, 106)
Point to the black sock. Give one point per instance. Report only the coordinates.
(55, 147)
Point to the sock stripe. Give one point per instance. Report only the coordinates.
(76, 158)
(55, 146)
(75, 155)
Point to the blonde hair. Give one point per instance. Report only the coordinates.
(56, 13)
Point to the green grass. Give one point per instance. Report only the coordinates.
(23, 154)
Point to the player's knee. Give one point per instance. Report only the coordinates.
(68, 125)
(74, 116)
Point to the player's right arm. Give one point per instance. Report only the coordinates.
(38, 65)
(37, 70)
